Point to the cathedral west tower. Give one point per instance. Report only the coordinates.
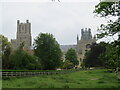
(23, 35)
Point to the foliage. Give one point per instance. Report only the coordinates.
(107, 9)
(48, 50)
(67, 65)
(4, 42)
(83, 64)
(72, 56)
(110, 10)
(111, 57)
(6, 50)
(20, 59)
(92, 56)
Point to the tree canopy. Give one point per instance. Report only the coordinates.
(19, 59)
(110, 10)
(6, 51)
(92, 56)
(48, 50)
(72, 56)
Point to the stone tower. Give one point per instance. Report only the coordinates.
(84, 44)
(23, 35)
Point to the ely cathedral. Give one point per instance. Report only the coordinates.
(24, 35)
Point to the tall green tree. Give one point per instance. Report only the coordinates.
(111, 56)
(72, 56)
(19, 59)
(6, 50)
(110, 9)
(48, 50)
(92, 56)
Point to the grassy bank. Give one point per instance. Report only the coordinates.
(99, 78)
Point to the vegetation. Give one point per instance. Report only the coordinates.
(47, 54)
(111, 57)
(48, 50)
(92, 57)
(99, 78)
(20, 59)
(110, 9)
(6, 51)
(67, 65)
(72, 56)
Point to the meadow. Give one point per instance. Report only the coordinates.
(98, 78)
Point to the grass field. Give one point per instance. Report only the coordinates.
(99, 78)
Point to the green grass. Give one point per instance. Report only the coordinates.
(99, 78)
(0, 83)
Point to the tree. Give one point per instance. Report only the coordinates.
(92, 56)
(110, 9)
(48, 50)
(72, 56)
(110, 56)
(107, 9)
(6, 50)
(67, 65)
(20, 59)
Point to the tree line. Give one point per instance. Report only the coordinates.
(47, 55)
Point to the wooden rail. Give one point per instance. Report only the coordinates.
(21, 74)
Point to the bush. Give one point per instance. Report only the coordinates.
(67, 65)
(22, 60)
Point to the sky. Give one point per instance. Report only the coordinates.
(63, 19)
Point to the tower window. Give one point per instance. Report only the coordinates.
(22, 28)
(25, 28)
(80, 60)
(20, 38)
(19, 28)
(88, 46)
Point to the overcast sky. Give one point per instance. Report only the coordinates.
(62, 19)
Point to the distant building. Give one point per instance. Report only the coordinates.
(82, 45)
(23, 35)
(64, 49)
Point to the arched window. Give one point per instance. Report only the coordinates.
(88, 46)
(80, 60)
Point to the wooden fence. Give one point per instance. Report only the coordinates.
(21, 74)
